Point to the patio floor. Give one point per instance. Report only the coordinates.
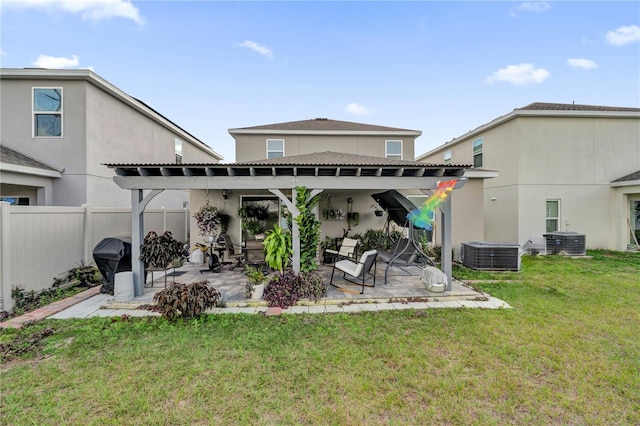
(402, 291)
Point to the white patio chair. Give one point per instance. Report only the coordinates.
(357, 271)
(347, 250)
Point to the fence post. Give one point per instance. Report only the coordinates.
(164, 219)
(87, 234)
(6, 303)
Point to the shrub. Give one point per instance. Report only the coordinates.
(283, 290)
(186, 300)
(312, 286)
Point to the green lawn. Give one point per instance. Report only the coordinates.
(568, 353)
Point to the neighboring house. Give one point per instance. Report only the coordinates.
(322, 134)
(562, 167)
(60, 126)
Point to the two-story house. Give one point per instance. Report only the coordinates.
(60, 126)
(562, 167)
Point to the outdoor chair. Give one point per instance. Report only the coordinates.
(347, 250)
(357, 271)
(232, 256)
(402, 253)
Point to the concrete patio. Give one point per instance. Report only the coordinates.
(402, 291)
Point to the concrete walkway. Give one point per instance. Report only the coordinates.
(403, 290)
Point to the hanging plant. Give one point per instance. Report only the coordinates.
(207, 220)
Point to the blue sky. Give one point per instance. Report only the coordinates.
(440, 67)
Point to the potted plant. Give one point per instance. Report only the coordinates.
(377, 210)
(256, 280)
(159, 251)
(353, 218)
(255, 228)
(186, 300)
(207, 220)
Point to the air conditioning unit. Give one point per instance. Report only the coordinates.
(571, 243)
(484, 255)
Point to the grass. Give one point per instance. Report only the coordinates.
(568, 353)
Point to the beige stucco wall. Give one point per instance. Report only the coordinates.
(254, 147)
(97, 128)
(546, 158)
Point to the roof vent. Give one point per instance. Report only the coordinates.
(321, 119)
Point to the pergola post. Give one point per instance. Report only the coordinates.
(138, 204)
(445, 229)
(295, 229)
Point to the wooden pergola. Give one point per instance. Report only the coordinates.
(316, 172)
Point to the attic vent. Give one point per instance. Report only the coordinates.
(321, 119)
(483, 255)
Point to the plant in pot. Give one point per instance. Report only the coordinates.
(254, 227)
(207, 220)
(159, 251)
(256, 281)
(377, 210)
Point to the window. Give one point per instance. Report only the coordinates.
(447, 157)
(275, 148)
(393, 149)
(477, 152)
(16, 201)
(178, 149)
(553, 215)
(47, 112)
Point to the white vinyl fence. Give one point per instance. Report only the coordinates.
(38, 243)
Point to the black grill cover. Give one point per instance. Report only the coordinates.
(112, 255)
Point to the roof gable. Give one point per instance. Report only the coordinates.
(323, 125)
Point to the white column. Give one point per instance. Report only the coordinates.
(137, 226)
(87, 230)
(6, 303)
(445, 229)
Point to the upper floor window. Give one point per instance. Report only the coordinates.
(393, 149)
(447, 157)
(477, 152)
(275, 148)
(178, 149)
(47, 112)
(553, 215)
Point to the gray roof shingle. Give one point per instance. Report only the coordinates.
(544, 106)
(330, 158)
(10, 156)
(325, 124)
(629, 177)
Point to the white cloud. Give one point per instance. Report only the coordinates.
(531, 6)
(45, 61)
(357, 109)
(93, 10)
(587, 64)
(258, 48)
(519, 75)
(624, 35)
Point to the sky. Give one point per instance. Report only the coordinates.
(443, 68)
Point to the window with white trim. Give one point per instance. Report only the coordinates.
(47, 112)
(275, 148)
(553, 215)
(393, 149)
(178, 150)
(477, 152)
(447, 157)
